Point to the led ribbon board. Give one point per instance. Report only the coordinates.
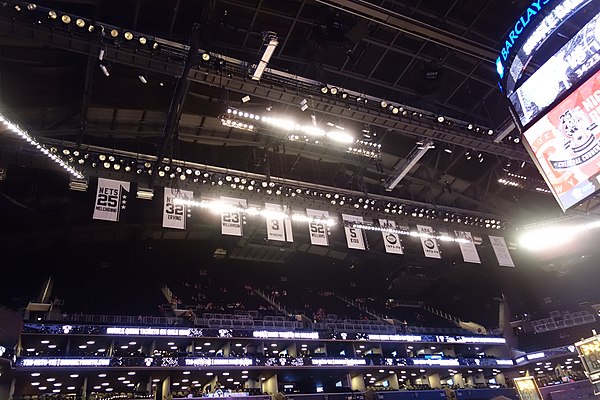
(529, 32)
(562, 71)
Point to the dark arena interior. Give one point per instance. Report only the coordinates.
(299, 199)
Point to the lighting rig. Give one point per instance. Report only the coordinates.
(158, 55)
(137, 168)
(336, 138)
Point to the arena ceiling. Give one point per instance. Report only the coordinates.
(427, 58)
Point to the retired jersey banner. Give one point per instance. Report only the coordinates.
(318, 229)
(501, 251)
(391, 240)
(354, 236)
(468, 250)
(232, 220)
(277, 228)
(111, 198)
(175, 215)
(429, 243)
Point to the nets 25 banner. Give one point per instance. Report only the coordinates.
(111, 198)
(566, 144)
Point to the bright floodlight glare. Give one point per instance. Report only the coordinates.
(545, 238)
(341, 137)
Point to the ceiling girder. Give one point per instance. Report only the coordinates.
(277, 88)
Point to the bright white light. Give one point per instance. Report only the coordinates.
(544, 238)
(340, 136)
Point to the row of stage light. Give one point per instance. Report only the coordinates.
(294, 131)
(180, 174)
(105, 32)
(408, 112)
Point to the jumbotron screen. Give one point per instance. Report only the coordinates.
(565, 144)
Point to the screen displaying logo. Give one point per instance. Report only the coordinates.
(565, 144)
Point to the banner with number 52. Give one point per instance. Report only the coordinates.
(279, 228)
(175, 215)
(317, 228)
(231, 221)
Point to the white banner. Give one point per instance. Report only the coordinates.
(277, 228)
(176, 215)
(354, 237)
(318, 230)
(391, 240)
(468, 250)
(501, 251)
(232, 221)
(429, 243)
(111, 198)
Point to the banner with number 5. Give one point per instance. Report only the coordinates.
(279, 228)
(175, 215)
(232, 220)
(354, 236)
(318, 229)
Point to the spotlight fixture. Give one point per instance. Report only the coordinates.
(245, 99)
(91, 28)
(344, 95)
(144, 193)
(142, 78)
(205, 56)
(384, 104)
(31, 7)
(142, 40)
(470, 127)
(490, 132)
(441, 119)
(334, 90)
(155, 46)
(516, 139)
(52, 14)
(395, 110)
(80, 23)
(270, 42)
(114, 33)
(104, 69)
(304, 105)
(324, 89)
(128, 35)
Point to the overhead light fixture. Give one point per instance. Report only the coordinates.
(142, 78)
(441, 119)
(128, 35)
(490, 132)
(303, 105)
(344, 95)
(114, 33)
(384, 104)
(80, 23)
(142, 40)
(324, 89)
(31, 7)
(104, 69)
(245, 99)
(144, 193)
(395, 110)
(270, 42)
(334, 90)
(52, 14)
(205, 56)
(101, 55)
(78, 184)
(406, 165)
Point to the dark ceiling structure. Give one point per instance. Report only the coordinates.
(152, 82)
